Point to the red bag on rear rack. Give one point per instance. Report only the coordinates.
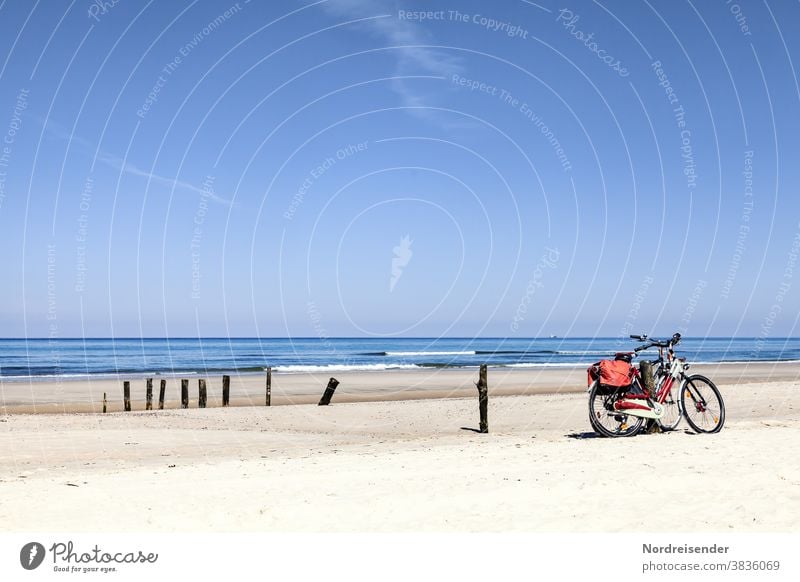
(612, 373)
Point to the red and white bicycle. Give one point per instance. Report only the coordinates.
(619, 401)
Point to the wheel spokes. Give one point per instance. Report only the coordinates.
(703, 406)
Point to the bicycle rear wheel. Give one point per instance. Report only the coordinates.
(702, 405)
(605, 420)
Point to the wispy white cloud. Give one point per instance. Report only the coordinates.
(121, 165)
(56, 130)
(413, 58)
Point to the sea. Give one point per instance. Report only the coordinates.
(26, 359)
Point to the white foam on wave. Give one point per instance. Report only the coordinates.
(468, 353)
(344, 368)
(743, 362)
(542, 365)
(97, 376)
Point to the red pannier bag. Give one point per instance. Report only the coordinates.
(612, 373)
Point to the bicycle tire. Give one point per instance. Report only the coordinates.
(702, 404)
(607, 422)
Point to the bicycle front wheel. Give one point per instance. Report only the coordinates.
(605, 420)
(702, 405)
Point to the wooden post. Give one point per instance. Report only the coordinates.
(329, 390)
(226, 390)
(269, 387)
(149, 395)
(126, 395)
(105, 404)
(646, 371)
(161, 393)
(483, 399)
(201, 389)
(184, 393)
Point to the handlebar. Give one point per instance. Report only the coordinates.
(669, 344)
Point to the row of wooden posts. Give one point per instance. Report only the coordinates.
(482, 385)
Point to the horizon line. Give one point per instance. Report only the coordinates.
(213, 337)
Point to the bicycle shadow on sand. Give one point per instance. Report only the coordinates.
(594, 435)
(583, 435)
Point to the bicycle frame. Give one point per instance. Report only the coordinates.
(668, 380)
(668, 373)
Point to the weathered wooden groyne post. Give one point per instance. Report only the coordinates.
(226, 390)
(646, 371)
(202, 395)
(184, 393)
(329, 390)
(483, 399)
(126, 396)
(149, 395)
(161, 393)
(268, 397)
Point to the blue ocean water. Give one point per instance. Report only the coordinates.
(21, 359)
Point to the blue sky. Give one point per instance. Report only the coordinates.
(346, 168)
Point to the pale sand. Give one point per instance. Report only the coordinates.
(406, 465)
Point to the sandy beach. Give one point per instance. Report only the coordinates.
(395, 451)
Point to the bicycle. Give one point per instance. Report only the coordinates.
(620, 410)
